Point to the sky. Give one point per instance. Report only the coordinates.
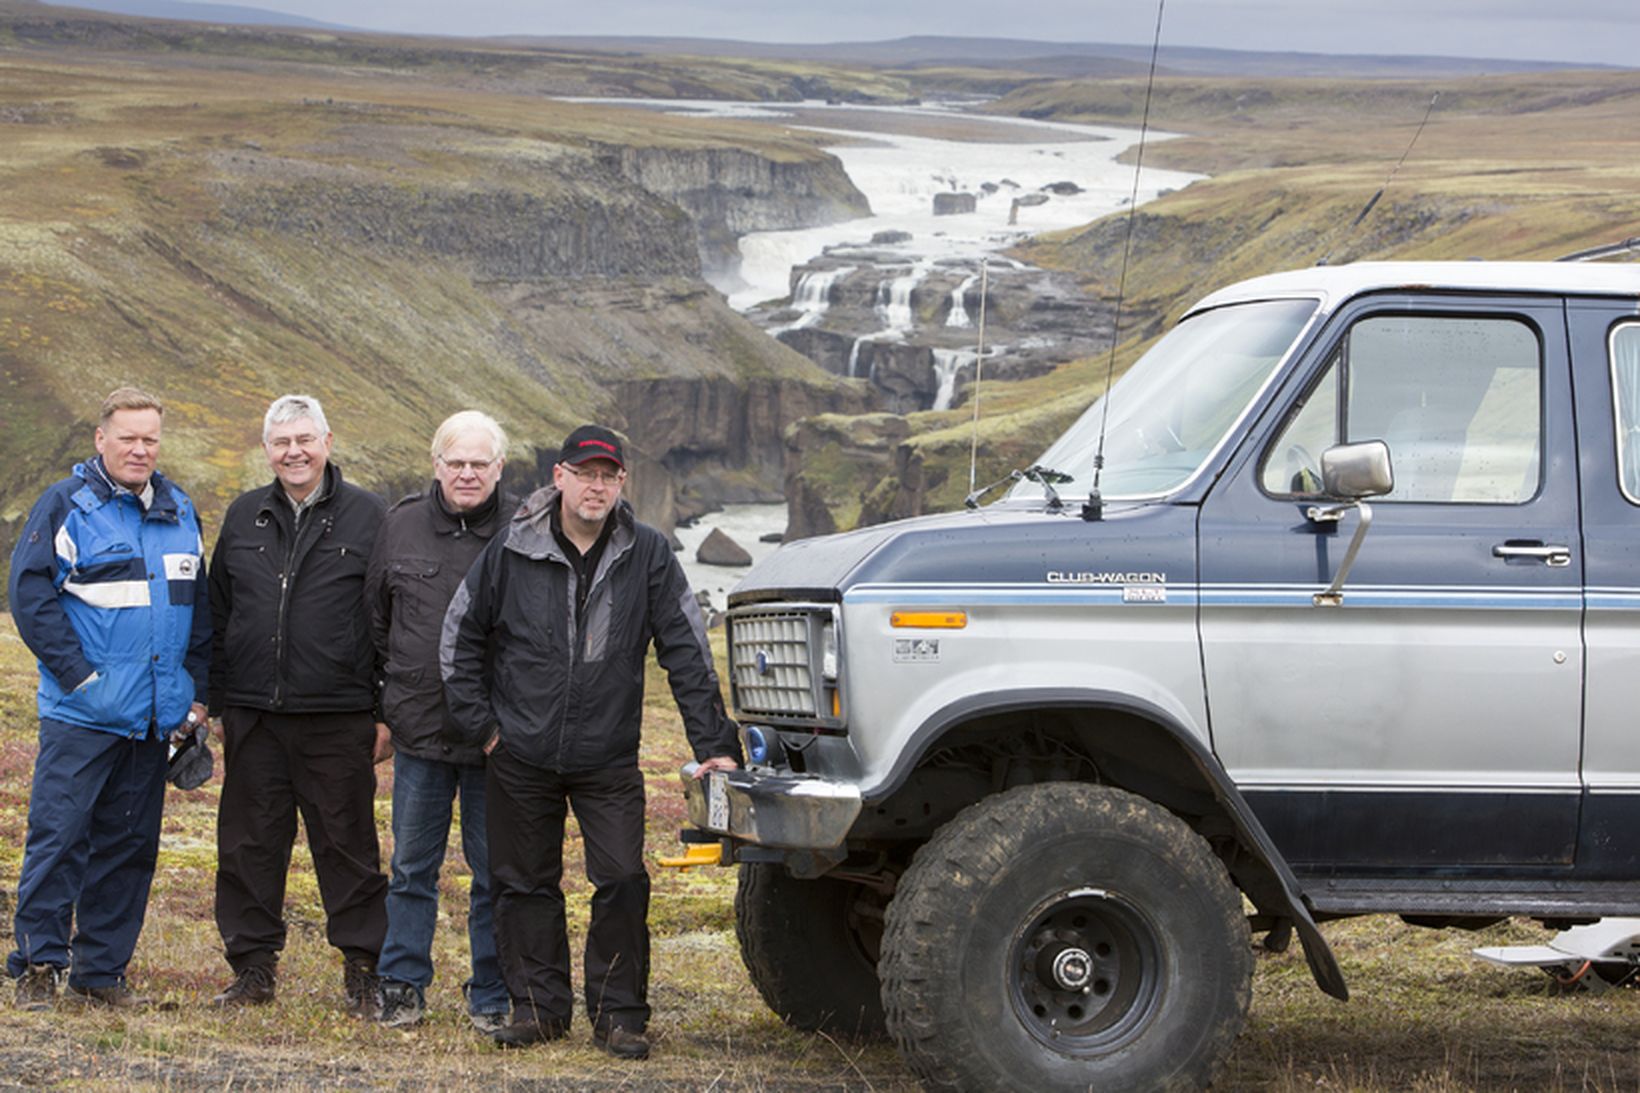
(1576, 31)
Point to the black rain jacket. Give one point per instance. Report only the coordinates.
(287, 602)
(567, 700)
(421, 555)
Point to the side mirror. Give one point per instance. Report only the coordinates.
(1350, 472)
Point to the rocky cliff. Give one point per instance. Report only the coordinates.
(399, 251)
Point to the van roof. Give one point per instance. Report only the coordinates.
(1334, 284)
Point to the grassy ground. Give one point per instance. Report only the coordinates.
(1425, 1015)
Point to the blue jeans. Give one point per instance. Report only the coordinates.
(93, 837)
(423, 790)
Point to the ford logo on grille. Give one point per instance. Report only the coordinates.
(762, 662)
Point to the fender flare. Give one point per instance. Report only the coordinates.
(1249, 831)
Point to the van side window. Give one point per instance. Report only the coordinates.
(1456, 398)
(1625, 354)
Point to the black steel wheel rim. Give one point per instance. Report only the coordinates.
(1085, 972)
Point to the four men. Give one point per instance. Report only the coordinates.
(509, 661)
(543, 661)
(108, 590)
(426, 546)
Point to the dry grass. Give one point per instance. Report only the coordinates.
(1425, 1015)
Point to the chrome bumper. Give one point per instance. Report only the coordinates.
(794, 812)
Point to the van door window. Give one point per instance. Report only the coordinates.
(1457, 399)
(1625, 353)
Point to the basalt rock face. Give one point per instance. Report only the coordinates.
(729, 192)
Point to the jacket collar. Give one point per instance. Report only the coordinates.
(481, 521)
(161, 506)
(275, 499)
(531, 530)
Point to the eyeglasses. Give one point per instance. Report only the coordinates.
(477, 466)
(605, 478)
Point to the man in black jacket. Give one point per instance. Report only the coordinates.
(293, 680)
(426, 545)
(543, 661)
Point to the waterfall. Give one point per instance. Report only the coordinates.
(894, 299)
(812, 296)
(947, 363)
(958, 316)
(854, 358)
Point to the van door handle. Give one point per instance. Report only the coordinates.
(1552, 554)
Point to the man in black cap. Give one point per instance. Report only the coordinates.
(542, 656)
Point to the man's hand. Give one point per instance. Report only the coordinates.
(383, 750)
(493, 741)
(196, 717)
(716, 762)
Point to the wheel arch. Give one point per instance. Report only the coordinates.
(1138, 746)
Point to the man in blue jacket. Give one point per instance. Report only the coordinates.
(108, 590)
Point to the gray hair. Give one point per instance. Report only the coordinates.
(470, 421)
(287, 408)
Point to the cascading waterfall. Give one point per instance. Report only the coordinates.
(947, 363)
(812, 296)
(958, 316)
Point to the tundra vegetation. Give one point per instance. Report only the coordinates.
(405, 227)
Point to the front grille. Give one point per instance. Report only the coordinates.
(771, 663)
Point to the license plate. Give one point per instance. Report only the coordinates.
(717, 800)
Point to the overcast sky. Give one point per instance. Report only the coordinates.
(1586, 31)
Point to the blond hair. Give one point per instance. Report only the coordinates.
(128, 398)
(470, 421)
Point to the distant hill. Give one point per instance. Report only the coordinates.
(1060, 59)
(203, 13)
(1023, 56)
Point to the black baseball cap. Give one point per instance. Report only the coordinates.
(591, 442)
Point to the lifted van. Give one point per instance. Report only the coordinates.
(1351, 626)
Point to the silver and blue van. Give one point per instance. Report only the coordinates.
(1331, 606)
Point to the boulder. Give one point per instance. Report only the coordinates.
(953, 204)
(718, 549)
(1063, 189)
(888, 238)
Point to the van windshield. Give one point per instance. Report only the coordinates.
(1176, 405)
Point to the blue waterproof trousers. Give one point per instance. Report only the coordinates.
(93, 837)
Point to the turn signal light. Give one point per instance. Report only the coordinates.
(928, 620)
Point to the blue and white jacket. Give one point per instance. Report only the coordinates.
(112, 599)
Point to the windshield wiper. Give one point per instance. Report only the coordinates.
(1046, 477)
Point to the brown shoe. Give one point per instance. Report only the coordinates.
(115, 996)
(527, 1029)
(37, 987)
(623, 1043)
(253, 985)
(362, 988)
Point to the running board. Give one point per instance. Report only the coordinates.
(1551, 899)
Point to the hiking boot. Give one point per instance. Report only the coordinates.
(623, 1043)
(253, 985)
(488, 1024)
(115, 996)
(401, 1005)
(359, 983)
(37, 987)
(526, 1029)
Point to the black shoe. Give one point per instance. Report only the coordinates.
(37, 987)
(527, 1029)
(401, 1005)
(253, 985)
(115, 996)
(361, 986)
(623, 1043)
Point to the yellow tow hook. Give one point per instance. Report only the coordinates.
(696, 854)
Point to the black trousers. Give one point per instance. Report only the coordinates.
(276, 766)
(526, 809)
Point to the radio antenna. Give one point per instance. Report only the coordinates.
(979, 365)
(1094, 507)
(1373, 200)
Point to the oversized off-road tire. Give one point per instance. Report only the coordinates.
(810, 947)
(1065, 936)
